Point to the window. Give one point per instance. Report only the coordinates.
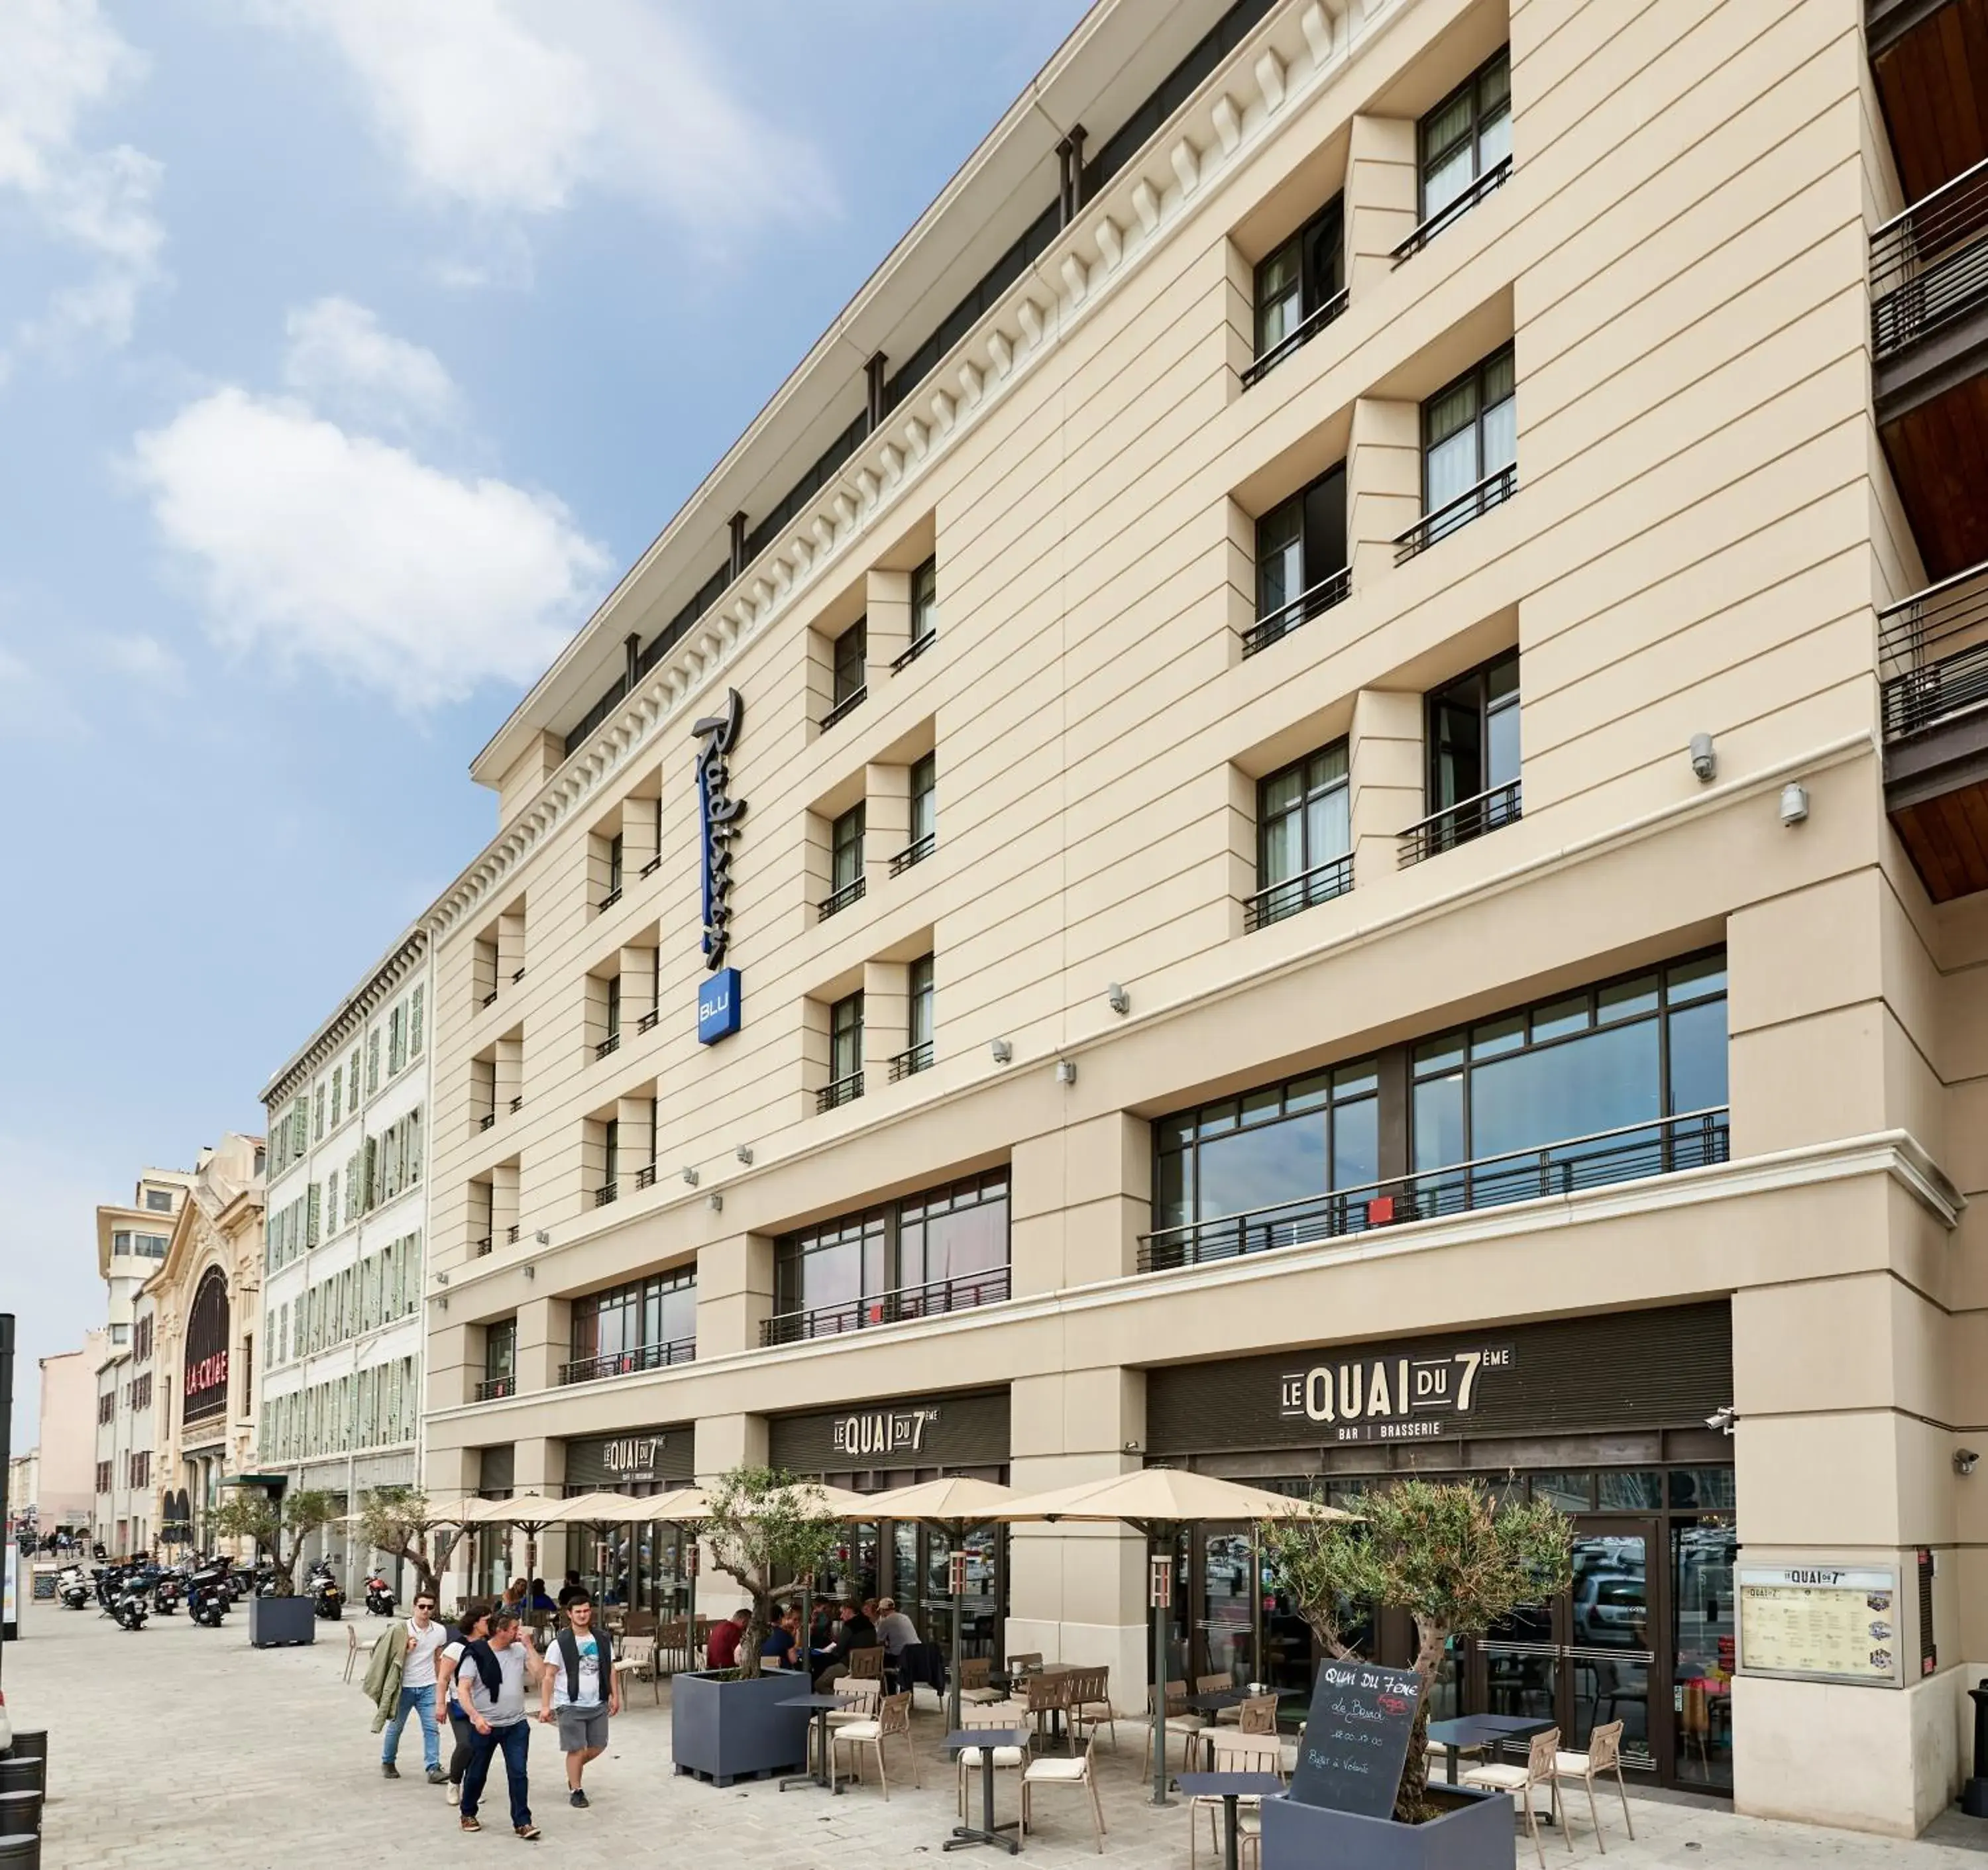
(616, 846)
(1472, 737)
(337, 1095)
(611, 1019)
(845, 841)
(1300, 287)
(372, 1062)
(845, 1054)
(611, 1157)
(644, 1325)
(119, 1333)
(1300, 559)
(397, 1039)
(919, 982)
(103, 1476)
(414, 1023)
(149, 1246)
(500, 1357)
(851, 656)
(158, 1201)
(925, 604)
(107, 1406)
(1303, 837)
(940, 1251)
(1465, 137)
(120, 1240)
(924, 816)
(317, 1115)
(1470, 451)
(247, 1373)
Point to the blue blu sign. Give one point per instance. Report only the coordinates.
(718, 1006)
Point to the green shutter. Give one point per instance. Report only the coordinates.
(311, 1215)
(415, 1025)
(372, 1061)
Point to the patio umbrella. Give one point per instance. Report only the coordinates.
(957, 1507)
(1158, 1501)
(530, 1512)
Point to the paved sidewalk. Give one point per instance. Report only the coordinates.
(175, 1747)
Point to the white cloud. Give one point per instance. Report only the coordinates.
(340, 359)
(143, 659)
(514, 106)
(32, 704)
(315, 543)
(58, 60)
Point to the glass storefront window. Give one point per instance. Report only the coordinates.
(1630, 1490)
(1701, 1560)
(1702, 1489)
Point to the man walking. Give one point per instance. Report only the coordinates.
(425, 1638)
(579, 1686)
(490, 1684)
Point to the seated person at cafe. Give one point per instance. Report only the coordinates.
(857, 1632)
(821, 1631)
(722, 1650)
(539, 1601)
(895, 1627)
(572, 1588)
(782, 1644)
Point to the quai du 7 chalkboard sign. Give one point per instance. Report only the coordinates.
(1356, 1738)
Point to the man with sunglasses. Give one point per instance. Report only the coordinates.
(425, 1638)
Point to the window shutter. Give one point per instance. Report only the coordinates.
(397, 1039)
(317, 1117)
(368, 1180)
(299, 1137)
(311, 1215)
(372, 1061)
(415, 1024)
(414, 1146)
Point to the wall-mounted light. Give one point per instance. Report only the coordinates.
(1794, 803)
(441, 1279)
(531, 1271)
(1066, 1071)
(1966, 1461)
(690, 1178)
(1117, 999)
(1704, 761)
(543, 1238)
(1003, 1052)
(442, 1302)
(717, 1202)
(744, 1153)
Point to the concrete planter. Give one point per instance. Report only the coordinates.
(274, 1622)
(723, 1731)
(1478, 1833)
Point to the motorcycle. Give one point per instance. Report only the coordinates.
(128, 1608)
(166, 1593)
(327, 1601)
(71, 1589)
(206, 1594)
(379, 1599)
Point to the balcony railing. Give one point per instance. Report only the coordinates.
(834, 905)
(1306, 890)
(846, 706)
(1300, 335)
(1632, 1153)
(486, 1119)
(911, 1060)
(511, 1233)
(490, 998)
(492, 1389)
(1473, 503)
(647, 1022)
(626, 1363)
(649, 869)
(907, 1302)
(1929, 264)
(1494, 177)
(645, 1176)
(611, 898)
(478, 1248)
(839, 1091)
(1334, 588)
(920, 644)
(517, 1104)
(915, 852)
(605, 1195)
(1932, 654)
(611, 1043)
(1458, 823)
(517, 976)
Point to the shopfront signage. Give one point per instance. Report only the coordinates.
(876, 1432)
(632, 1457)
(718, 1006)
(1821, 1623)
(204, 1379)
(1391, 1397)
(719, 813)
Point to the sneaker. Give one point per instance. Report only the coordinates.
(471, 1824)
(437, 1776)
(388, 1769)
(530, 1833)
(578, 1798)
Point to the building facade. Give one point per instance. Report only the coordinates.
(347, 1222)
(204, 1315)
(1324, 827)
(65, 1480)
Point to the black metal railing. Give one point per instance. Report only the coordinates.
(1335, 588)
(904, 658)
(1632, 1153)
(907, 1302)
(915, 852)
(647, 1022)
(840, 900)
(517, 1104)
(1929, 264)
(911, 1060)
(490, 998)
(645, 1176)
(511, 1233)
(517, 976)
(492, 1388)
(1933, 652)
(1306, 890)
(611, 1043)
(480, 1247)
(649, 869)
(605, 1195)
(486, 1119)
(1473, 503)
(626, 1363)
(1300, 335)
(839, 1091)
(847, 706)
(611, 898)
(1493, 178)
(1458, 823)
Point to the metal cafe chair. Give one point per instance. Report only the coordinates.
(1604, 1755)
(1519, 1781)
(989, 1759)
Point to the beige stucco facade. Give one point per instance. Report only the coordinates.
(1702, 530)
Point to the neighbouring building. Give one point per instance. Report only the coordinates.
(65, 1481)
(24, 1487)
(204, 1320)
(341, 1281)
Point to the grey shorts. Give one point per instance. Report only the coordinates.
(580, 1728)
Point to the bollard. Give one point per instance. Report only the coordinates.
(1974, 1795)
(29, 1743)
(20, 1853)
(20, 1813)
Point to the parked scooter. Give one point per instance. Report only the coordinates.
(71, 1588)
(128, 1608)
(207, 1593)
(327, 1601)
(379, 1599)
(166, 1587)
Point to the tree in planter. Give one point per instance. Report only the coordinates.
(400, 1520)
(279, 1531)
(766, 1529)
(1448, 1554)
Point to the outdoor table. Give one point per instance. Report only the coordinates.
(820, 1707)
(1481, 1730)
(1228, 1788)
(1214, 1703)
(989, 1832)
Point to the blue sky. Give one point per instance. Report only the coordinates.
(349, 349)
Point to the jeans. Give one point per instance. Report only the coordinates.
(419, 1701)
(516, 1739)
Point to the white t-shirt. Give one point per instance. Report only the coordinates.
(590, 1695)
(418, 1671)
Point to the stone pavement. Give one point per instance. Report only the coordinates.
(174, 1747)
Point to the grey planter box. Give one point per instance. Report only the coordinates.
(1479, 1833)
(723, 1731)
(274, 1622)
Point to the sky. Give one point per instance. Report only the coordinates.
(349, 349)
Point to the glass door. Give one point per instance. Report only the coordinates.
(1701, 1560)
(1226, 1605)
(1610, 1655)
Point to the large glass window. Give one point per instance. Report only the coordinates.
(925, 798)
(851, 654)
(636, 1327)
(1301, 558)
(1470, 430)
(1467, 135)
(846, 847)
(925, 601)
(845, 1038)
(1473, 750)
(1304, 836)
(920, 983)
(1301, 279)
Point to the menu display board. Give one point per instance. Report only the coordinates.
(1356, 1738)
(1820, 1623)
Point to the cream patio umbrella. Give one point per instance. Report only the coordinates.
(957, 1507)
(530, 1512)
(1158, 1501)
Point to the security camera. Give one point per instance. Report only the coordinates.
(1704, 761)
(1723, 1418)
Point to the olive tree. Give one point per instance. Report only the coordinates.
(279, 1531)
(1449, 1554)
(767, 1529)
(401, 1521)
